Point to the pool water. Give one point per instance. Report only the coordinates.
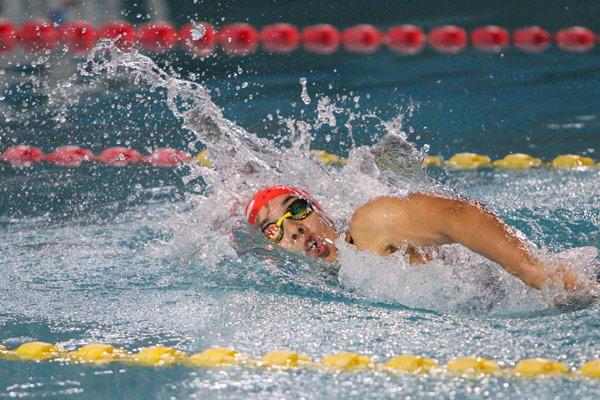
(137, 256)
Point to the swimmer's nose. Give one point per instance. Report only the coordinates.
(297, 230)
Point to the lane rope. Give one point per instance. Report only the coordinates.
(203, 38)
(75, 156)
(160, 356)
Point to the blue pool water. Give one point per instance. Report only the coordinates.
(139, 255)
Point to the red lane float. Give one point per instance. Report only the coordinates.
(490, 38)
(532, 39)
(121, 32)
(167, 157)
(7, 36)
(198, 38)
(74, 156)
(240, 38)
(37, 36)
(78, 36)
(119, 156)
(576, 39)
(321, 38)
(448, 39)
(279, 38)
(362, 38)
(69, 156)
(157, 36)
(406, 39)
(22, 155)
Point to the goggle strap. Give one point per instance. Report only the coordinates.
(285, 216)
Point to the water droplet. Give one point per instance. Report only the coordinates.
(198, 31)
(304, 94)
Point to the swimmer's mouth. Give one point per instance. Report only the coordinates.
(315, 247)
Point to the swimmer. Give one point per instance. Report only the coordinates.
(291, 218)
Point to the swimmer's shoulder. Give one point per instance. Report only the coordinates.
(367, 227)
(386, 206)
(388, 221)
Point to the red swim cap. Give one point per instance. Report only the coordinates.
(264, 195)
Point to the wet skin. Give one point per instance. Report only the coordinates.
(386, 224)
(312, 236)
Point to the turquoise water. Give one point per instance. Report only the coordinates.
(138, 256)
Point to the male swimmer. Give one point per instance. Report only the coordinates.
(294, 220)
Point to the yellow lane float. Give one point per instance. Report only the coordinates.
(96, 353)
(591, 369)
(411, 363)
(202, 160)
(285, 359)
(157, 356)
(216, 357)
(540, 366)
(346, 362)
(468, 161)
(518, 161)
(433, 161)
(37, 351)
(328, 158)
(572, 161)
(472, 366)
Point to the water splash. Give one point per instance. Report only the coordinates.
(214, 238)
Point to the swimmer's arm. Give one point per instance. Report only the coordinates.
(476, 228)
(422, 219)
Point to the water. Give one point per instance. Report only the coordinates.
(139, 256)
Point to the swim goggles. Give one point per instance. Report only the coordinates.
(298, 210)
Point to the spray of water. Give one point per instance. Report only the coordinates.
(212, 238)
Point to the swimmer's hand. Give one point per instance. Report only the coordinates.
(562, 277)
(569, 288)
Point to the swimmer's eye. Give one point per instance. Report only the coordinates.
(298, 210)
(273, 232)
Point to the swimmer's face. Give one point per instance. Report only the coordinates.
(312, 236)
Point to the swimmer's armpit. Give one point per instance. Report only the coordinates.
(348, 238)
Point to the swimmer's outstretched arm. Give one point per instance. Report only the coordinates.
(422, 219)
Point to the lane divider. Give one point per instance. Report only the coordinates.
(202, 38)
(74, 156)
(160, 356)
(510, 161)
